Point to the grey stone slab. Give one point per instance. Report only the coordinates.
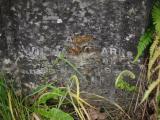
(34, 32)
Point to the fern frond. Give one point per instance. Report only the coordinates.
(152, 86)
(156, 16)
(154, 45)
(150, 89)
(152, 61)
(145, 40)
(121, 84)
(156, 69)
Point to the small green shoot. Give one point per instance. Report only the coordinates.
(121, 84)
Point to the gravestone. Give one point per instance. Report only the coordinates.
(34, 32)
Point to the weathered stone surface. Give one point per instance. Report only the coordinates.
(34, 32)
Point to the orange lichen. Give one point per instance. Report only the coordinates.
(80, 39)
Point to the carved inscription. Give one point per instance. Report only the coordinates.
(112, 56)
(80, 44)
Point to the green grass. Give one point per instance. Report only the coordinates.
(11, 106)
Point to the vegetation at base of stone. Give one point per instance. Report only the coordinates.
(11, 106)
(121, 84)
(151, 39)
(51, 100)
(153, 74)
(49, 103)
